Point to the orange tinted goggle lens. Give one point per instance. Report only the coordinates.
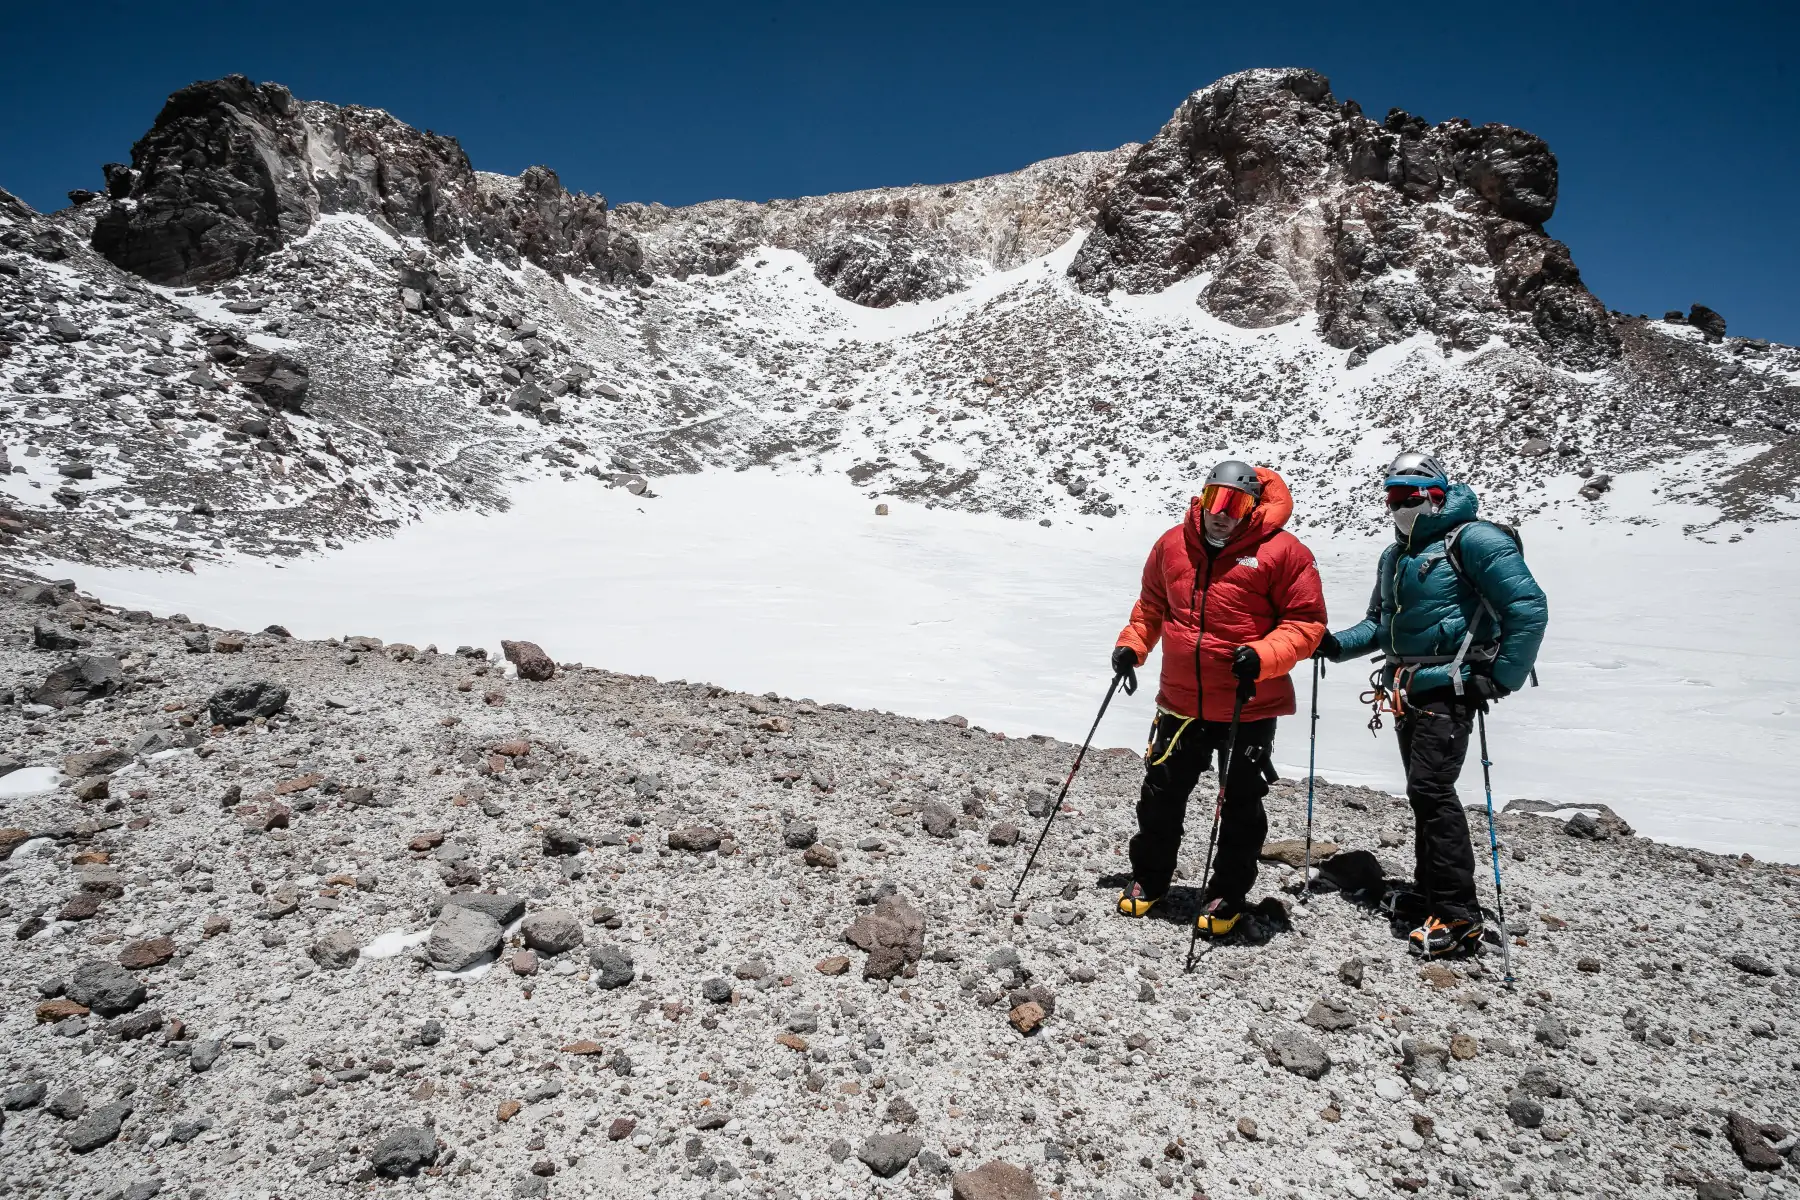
(1226, 501)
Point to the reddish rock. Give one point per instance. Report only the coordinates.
(516, 748)
(215, 925)
(1027, 1017)
(837, 964)
(620, 1129)
(304, 783)
(12, 839)
(151, 952)
(994, 1180)
(525, 962)
(529, 658)
(57, 1010)
(81, 906)
(508, 1110)
(584, 1046)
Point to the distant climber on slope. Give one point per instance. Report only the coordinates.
(1236, 602)
(1458, 618)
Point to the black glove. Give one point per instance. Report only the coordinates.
(1328, 647)
(1484, 687)
(1124, 665)
(1246, 664)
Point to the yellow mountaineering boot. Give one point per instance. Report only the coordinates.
(1134, 903)
(1218, 918)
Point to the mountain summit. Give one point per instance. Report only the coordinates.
(288, 322)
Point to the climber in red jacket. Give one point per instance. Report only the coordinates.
(1237, 602)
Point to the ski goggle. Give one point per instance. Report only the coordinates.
(1220, 500)
(1405, 495)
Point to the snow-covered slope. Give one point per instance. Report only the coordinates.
(375, 330)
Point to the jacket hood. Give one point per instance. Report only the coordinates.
(1266, 519)
(1460, 506)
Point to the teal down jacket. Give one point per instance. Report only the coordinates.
(1421, 608)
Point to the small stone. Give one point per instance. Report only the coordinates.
(697, 839)
(530, 660)
(66, 1104)
(98, 1127)
(585, 1047)
(799, 835)
(1003, 834)
(1751, 1141)
(1749, 964)
(462, 938)
(1295, 1052)
(1550, 1031)
(835, 964)
(887, 1154)
(820, 855)
(716, 990)
(22, 1096)
(404, 1152)
(204, 1054)
(892, 934)
(553, 931)
(995, 1180)
(621, 1128)
(524, 962)
(51, 1011)
(508, 1110)
(1292, 852)
(336, 951)
(1247, 1129)
(1463, 1047)
(1026, 1017)
(560, 842)
(241, 703)
(82, 906)
(613, 968)
(150, 952)
(1351, 972)
(105, 988)
(1525, 1111)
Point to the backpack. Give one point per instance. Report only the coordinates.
(1450, 553)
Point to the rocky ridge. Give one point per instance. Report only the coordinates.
(371, 330)
(331, 915)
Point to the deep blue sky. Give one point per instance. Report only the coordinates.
(1677, 124)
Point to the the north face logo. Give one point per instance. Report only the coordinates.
(1248, 562)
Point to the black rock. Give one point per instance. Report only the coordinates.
(204, 1054)
(105, 988)
(241, 703)
(98, 1127)
(404, 1152)
(717, 990)
(22, 1096)
(613, 967)
(1751, 965)
(84, 677)
(67, 1104)
(46, 636)
(1524, 1111)
(886, 1154)
(277, 380)
(1708, 322)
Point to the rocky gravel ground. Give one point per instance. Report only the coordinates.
(298, 918)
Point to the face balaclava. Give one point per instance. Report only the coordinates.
(1406, 518)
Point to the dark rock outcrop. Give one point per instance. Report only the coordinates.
(233, 170)
(1292, 203)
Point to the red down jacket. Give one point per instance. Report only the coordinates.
(1261, 590)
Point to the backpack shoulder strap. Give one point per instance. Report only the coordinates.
(1451, 553)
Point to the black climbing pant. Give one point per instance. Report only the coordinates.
(1180, 749)
(1434, 740)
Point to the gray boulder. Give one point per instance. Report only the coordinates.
(105, 988)
(98, 1127)
(84, 677)
(613, 967)
(462, 938)
(404, 1152)
(336, 951)
(887, 1154)
(553, 931)
(503, 907)
(241, 703)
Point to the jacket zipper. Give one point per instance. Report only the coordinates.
(1200, 622)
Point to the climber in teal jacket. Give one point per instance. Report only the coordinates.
(1457, 619)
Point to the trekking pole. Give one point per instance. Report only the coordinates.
(1312, 754)
(1487, 783)
(1057, 807)
(1237, 710)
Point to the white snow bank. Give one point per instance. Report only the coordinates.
(29, 781)
(394, 943)
(1668, 692)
